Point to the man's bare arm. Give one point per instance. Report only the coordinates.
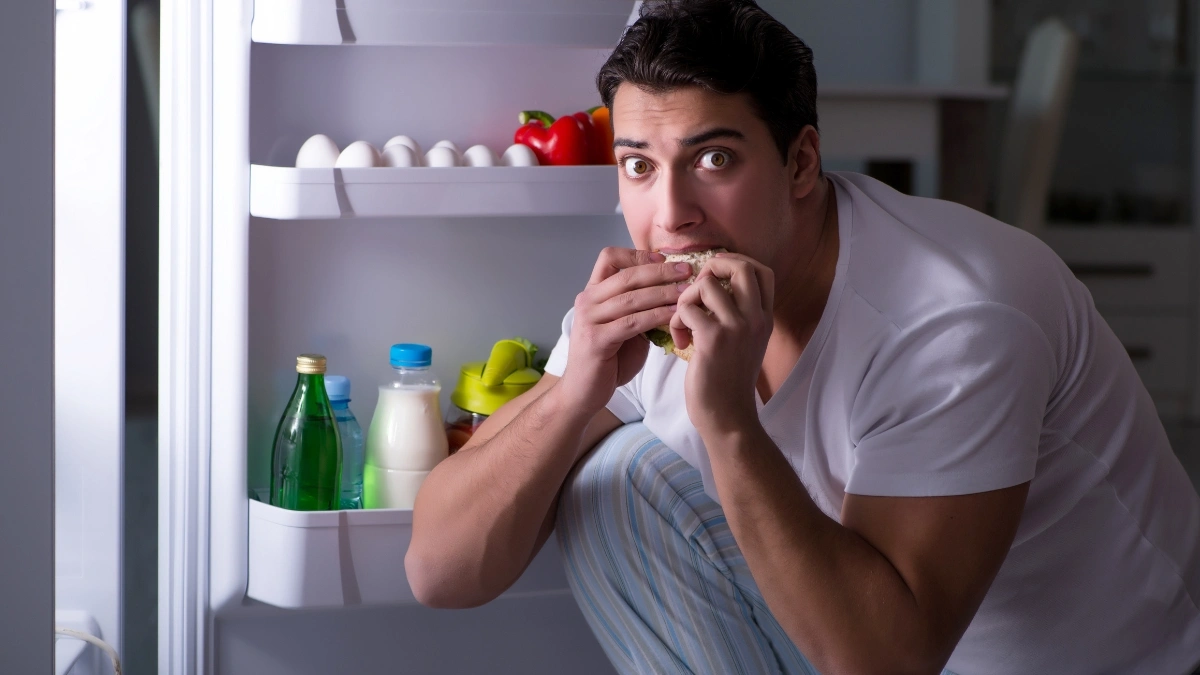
(890, 589)
(485, 512)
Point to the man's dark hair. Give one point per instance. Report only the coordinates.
(724, 46)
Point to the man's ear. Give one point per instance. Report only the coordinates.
(804, 162)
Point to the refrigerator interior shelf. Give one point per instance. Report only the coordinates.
(304, 559)
(292, 194)
(581, 23)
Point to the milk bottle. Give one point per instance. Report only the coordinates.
(406, 438)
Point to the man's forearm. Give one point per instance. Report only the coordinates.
(839, 599)
(480, 512)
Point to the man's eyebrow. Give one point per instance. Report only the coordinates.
(722, 132)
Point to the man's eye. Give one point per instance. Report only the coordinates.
(636, 166)
(714, 159)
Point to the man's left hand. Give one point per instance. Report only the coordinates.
(729, 343)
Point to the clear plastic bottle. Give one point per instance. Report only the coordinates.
(338, 388)
(406, 439)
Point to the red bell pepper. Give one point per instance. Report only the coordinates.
(561, 142)
(597, 138)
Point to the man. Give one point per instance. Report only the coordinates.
(905, 441)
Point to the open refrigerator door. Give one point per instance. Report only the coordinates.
(263, 260)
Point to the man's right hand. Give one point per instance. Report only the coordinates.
(629, 293)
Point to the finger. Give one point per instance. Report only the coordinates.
(742, 280)
(763, 275)
(613, 259)
(687, 321)
(708, 293)
(753, 283)
(641, 276)
(636, 300)
(680, 334)
(632, 325)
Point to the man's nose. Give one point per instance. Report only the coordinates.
(675, 203)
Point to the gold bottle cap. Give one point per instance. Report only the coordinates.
(310, 364)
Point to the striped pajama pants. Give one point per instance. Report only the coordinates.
(653, 565)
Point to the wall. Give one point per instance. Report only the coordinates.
(27, 338)
(854, 41)
(866, 43)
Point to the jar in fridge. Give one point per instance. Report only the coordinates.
(484, 386)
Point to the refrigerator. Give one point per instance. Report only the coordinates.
(260, 261)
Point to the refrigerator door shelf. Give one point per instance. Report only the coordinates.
(294, 194)
(579, 23)
(302, 559)
(327, 559)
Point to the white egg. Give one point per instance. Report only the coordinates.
(406, 141)
(519, 154)
(400, 156)
(318, 152)
(479, 155)
(448, 144)
(441, 157)
(359, 154)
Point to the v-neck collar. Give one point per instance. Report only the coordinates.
(804, 365)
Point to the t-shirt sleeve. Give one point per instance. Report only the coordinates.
(624, 401)
(953, 405)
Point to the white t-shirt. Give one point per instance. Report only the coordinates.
(958, 355)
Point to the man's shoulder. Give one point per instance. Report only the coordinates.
(912, 257)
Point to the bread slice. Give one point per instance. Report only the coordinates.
(661, 336)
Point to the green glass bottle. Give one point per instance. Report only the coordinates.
(307, 458)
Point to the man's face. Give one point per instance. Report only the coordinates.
(699, 170)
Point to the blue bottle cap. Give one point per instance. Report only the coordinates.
(411, 356)
(338, 387)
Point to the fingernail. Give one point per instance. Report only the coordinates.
(657, 257)
(682, 287)
(683, 267)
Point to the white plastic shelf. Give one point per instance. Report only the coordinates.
(325, 559)
(577, 23)
(294, 194)
(328, 558)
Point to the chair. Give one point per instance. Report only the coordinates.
(1034, 126)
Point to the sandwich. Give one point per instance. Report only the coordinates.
(661, 336)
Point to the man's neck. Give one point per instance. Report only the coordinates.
(802, 290)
